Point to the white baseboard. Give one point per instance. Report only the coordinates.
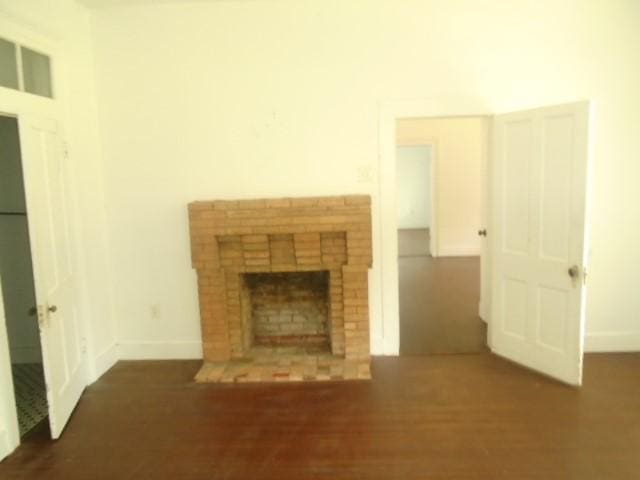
(104, 361)
(612, 342)
(458, 251)
(187, 350)
(173, 350)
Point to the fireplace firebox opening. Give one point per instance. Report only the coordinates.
(287, 309)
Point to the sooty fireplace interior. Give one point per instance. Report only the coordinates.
(287, 309)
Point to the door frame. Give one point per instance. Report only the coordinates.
(9, 438)
(387, 248)
(18, 104)
(7, 393)
(15, 103)
(433, 190)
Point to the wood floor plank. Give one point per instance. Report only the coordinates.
(431, 417)
(439, 299)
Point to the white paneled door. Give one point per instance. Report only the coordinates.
(52, 245)
(538, 209)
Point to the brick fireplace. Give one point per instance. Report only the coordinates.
(283, 287)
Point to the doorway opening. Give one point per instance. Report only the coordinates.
(440, 185)
(414, 202)
(18, 285)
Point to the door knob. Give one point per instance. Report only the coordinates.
(574, 271)
(483, 232)
(52, 309)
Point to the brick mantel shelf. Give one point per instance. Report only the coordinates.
(231, 238)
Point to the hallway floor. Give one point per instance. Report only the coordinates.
(438, 300)
(31, 395)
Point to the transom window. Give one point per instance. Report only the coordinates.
(24, 69)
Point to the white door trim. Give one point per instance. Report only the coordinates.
(9, 430)
(387, 247)
(17, 104)
(14, 103)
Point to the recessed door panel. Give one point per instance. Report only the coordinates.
(555, 188)
(552, 311)
(515, 206)
(515, 307)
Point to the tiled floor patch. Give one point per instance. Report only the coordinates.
(284, 365)
(30, 391)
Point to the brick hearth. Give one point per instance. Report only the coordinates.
(233, 241)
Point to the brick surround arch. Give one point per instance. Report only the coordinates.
(232, 238)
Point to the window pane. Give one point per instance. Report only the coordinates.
(36, 72)
(8, 65)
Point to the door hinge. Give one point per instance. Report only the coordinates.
(584, 275)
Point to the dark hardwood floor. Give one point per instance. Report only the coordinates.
(439, 300)
(430, 417)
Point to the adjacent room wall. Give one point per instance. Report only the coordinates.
(11, 184)
(17, 287)
(16, 271)
(460, 177)
(253, 99)
(414, 186)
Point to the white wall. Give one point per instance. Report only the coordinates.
(460, 177)
(253, 99)
(67, 24)
(413, 182)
